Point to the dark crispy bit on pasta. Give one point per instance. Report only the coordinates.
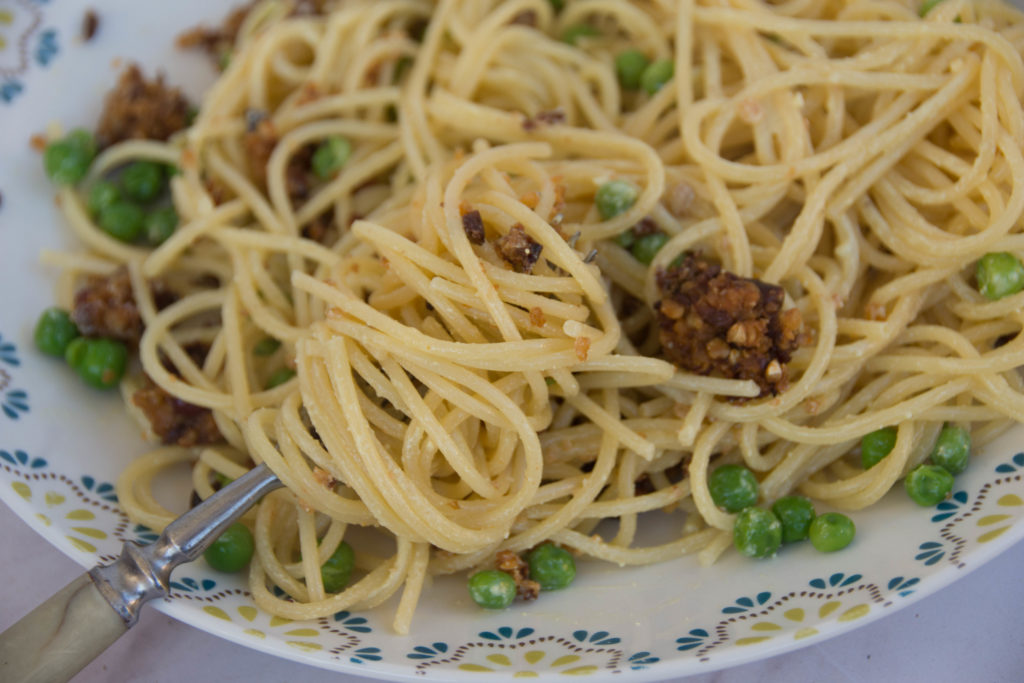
(321, 229)
(298, 174)
(646, 226)
(260, 140)
(527, 17)
(519, 249)
(715, 323)
(544, 118)
(138, 108)
(105, 307)
(220, 40)
(516, 567)
(174, 421)
(473, 224)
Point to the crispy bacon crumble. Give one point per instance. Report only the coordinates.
(715, 323)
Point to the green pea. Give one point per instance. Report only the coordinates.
(625, 239)
(928, 485)
(733, 487)
(629, 67)
(66, 161)
(757, 533)
(552, 567)
(222, 479)
(796, 514)
(876, 445)
(999, 274)
(573, 33)
(656, 75)
(557, 5)
(54, 332)
(232, 550)
(123, 220)
(143, 180)
(101, 195)
(646, 248)
(337, 570)
(266, 346)
(952, 449)
(279, 377)
(99, 362)
(831, 531)
(160, 225)
(492, 589)
(927, 6)
(330, 156)
(615, 197)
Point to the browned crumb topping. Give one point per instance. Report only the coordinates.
(530, 199)
(581, 347)
(715, 323)
(516, 567)
(544, 118)
(527, 17)
(473, 224)
(298, 174)
(321, 229)
(646, 226)
(174, 421)
(105, 307)
(643, 485)
(218, 191)
(519, 249)
(140, 108)
(220, 40)
(323, 477)
(259, 142)
(90, 24)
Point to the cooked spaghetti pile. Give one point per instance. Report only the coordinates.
(522, 293)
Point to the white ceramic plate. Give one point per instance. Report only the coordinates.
(62, 446)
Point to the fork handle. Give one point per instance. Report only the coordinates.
(58, 638)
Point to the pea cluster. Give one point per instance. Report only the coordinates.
(550, 566)
(118, 209)
(130, 206)
(616, 197)
(233, 550)
(100, 362)
(758, 532)
(926, 484)
(634, 69)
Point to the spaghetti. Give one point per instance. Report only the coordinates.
(859, 156)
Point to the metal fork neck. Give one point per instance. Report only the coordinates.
(143, 573)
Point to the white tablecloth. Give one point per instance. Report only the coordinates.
(971, 631)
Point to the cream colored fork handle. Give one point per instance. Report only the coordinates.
(58, 638)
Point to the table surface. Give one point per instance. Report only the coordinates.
(967, 631)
